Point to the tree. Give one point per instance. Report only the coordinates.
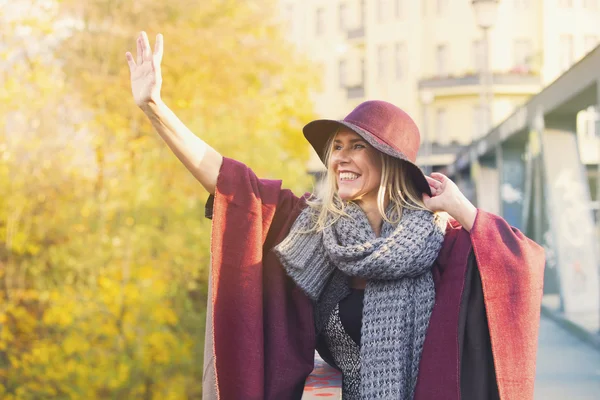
(105, 250)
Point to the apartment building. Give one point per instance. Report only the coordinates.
(426, 56)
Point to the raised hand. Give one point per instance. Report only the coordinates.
(146, 78)
(444, 193)
(447, 197)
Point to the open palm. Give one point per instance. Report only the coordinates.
(146, 77)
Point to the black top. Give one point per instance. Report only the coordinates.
(351, 309)
(477, 372)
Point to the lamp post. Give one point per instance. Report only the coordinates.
(485, 16)
(426, 100)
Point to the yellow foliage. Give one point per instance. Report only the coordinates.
(104, 248)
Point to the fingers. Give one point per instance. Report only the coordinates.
(130, 61)
(439, 177)
(429, 203)
(139, 49)
(433, 183)
(146, 51)
(158, 48)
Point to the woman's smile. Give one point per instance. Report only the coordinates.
(345, 177)
(357, 167)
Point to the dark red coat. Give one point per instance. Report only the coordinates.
(263, 332)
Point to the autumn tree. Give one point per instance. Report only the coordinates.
(104, 248)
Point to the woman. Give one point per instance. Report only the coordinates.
(405, 304)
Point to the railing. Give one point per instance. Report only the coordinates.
(355, 92)
(356, 33)
(474, 80)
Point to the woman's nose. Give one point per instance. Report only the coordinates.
(341, 157)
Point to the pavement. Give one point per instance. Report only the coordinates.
(568, 365)
(568, 368)
(585, 325)
(324, 382)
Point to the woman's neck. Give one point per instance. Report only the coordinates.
(373, 215)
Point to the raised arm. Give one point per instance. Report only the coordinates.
(198, 157)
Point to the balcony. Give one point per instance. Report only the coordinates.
(356, 33)
(355, 92)
(510, 82)
(436, 155)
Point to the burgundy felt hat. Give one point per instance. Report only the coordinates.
(384, 126)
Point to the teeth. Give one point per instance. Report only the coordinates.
(348, 176)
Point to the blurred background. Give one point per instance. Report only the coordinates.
(104, 248)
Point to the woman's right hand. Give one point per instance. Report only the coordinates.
(146, 78)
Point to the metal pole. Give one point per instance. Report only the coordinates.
(482, 90)
(426, 100)
(487, 83)
(427, 166)
(597, 135)
(500, 169)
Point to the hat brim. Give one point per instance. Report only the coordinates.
(319, 131)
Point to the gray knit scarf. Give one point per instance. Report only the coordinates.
(399, 295)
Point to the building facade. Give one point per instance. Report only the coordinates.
(426, 57)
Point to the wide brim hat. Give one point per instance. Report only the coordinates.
(384, 126)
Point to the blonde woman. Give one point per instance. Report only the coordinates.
(404, 303)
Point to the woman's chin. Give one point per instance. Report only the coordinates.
(346, 196)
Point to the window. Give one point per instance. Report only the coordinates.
(288, 16)
(440, 126)
(342, 73)
(590, 43)
(477, 55)
(382, 61)
(590, 4)
(566, 52)
(289, 12)
(320, 22)
(381, 10)
(362, 10)
(400, 60)
(398, 8)
(441, 6)
(522, 54)
(521, 4)
(363, 72)
(441, 60)
(343, 16)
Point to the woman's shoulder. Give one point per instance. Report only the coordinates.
(445, 221)
(238, 186)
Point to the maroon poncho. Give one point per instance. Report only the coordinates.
(264, 336)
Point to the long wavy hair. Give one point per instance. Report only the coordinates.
(396, 184)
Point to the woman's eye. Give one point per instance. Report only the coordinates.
(336, 147)
(359, 146)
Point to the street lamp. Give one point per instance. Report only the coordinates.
(426, 100)
(485, 16)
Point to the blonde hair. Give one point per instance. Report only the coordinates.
(396, 183)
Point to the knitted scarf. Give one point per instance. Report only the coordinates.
(399, 295)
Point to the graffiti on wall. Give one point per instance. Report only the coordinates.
(570, 218)
(574, 225)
